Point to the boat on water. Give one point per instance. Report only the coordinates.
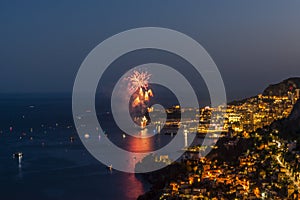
(110, 168)
(18, 155)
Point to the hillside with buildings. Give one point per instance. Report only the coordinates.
(289, 128)
(291, 85)
(257, 156)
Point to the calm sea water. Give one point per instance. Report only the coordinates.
(53, 167)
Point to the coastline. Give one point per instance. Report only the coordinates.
(158, 179)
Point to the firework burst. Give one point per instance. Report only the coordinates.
(138, 83)
(138, 80)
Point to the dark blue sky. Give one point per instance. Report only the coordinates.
(254, 43)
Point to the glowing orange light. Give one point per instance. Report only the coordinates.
(136, 102)
(144, 122)
(150, 93)
(146, 96)
(141, 92)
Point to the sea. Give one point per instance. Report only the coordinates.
(55, 164)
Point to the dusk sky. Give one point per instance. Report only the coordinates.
(43, 43)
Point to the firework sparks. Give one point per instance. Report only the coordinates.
(150, 93)
(138, 80)
(136, 102)
(146, 96)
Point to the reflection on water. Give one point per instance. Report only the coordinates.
(132, 187)
(146, 143)
(141, 144)
(20, 167)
